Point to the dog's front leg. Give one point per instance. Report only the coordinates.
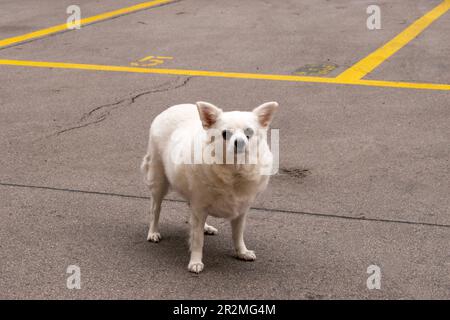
(237, 228)
(197, 220)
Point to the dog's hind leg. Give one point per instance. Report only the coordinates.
(210, 230)
(159, 185)
(207, 229)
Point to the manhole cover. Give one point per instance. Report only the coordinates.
(319, 69)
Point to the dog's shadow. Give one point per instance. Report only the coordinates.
(173, 249)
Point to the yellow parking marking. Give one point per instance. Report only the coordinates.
(233, 75)
(151, 57)
(351, 76)
(373, 60)
(397, 84)
(85, 21)
(320, 69)
(150, 61)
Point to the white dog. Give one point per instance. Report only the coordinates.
(198, 151)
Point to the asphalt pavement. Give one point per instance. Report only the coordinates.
(364, 173)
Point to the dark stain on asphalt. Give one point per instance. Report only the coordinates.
(298, 173)
(316, 69)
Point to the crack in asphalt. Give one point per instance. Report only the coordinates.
(101, 113)
(324, 215)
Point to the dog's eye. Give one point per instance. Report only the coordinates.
(226, 134)
(249, 132)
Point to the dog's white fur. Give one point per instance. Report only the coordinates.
(220, 190)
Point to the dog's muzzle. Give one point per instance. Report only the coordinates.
(239, 145)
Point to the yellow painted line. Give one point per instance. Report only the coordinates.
(221, 74)
(373, 60)
(85, 21)
(178, 72)
(397, 84)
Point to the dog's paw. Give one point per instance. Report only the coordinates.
(154, 237)
(248, 255)
(196, 266)
(210, 230)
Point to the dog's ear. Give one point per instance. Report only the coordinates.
(265, 113)
(209, 113)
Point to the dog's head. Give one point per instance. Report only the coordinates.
(237, 130)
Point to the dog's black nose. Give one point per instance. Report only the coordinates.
(239, 145)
